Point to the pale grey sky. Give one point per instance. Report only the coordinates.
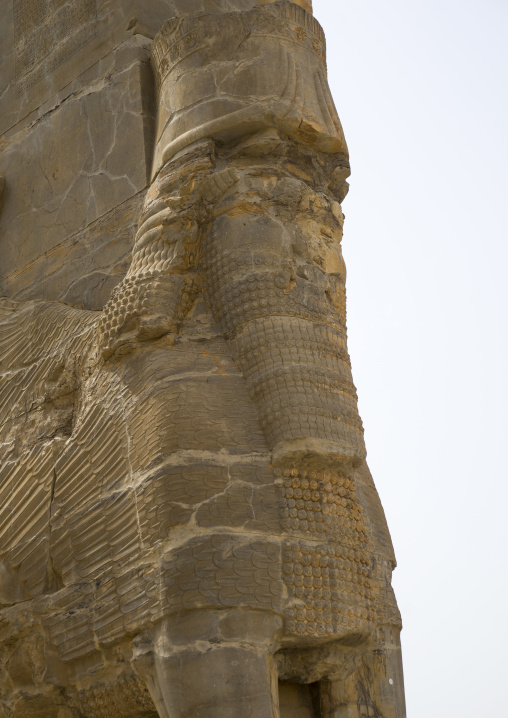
(421, 89)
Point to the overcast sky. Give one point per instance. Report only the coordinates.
(421, 89)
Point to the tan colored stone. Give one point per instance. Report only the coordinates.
(295, 700)
(188, 526)
(216, 80)
(47, 44)
(82, 270)
(78, 162)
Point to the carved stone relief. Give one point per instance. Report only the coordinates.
(186, 514)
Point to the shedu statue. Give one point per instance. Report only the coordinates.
(207, 526)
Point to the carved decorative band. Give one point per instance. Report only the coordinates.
(296, 14)
(179, 38)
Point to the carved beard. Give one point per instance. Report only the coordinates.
(265, 246)
(275, 284)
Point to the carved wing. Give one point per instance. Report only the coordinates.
(37, 386)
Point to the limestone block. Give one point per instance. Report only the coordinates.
(83, 269)
(45, 45)
(71, 182)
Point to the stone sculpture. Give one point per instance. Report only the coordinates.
(188, 524)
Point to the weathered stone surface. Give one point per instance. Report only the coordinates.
(187, 519)
(48, 44)
(70, 173)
